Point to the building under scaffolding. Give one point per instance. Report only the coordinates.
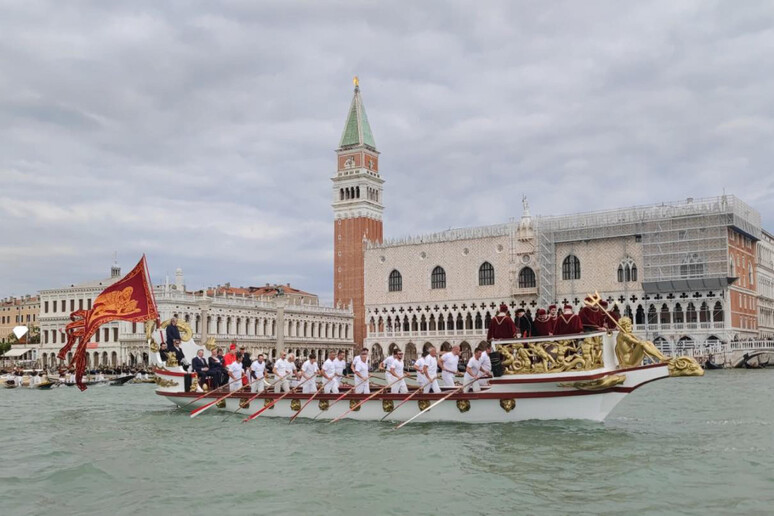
(684, 244)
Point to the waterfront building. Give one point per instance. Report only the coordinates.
(684, 272)
(764, 283)
(249, 317)
(19, 311)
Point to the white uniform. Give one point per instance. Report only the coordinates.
(432, 372)
(486, 368)
(449, 361)
(361, 368)
(259, 371)
(309, 374)
(421, 378)
(340, 365)
(291, 366)
(281, 370)
(399, 387)
(329, 369)
(475, 366)
(235, 372)
(387, 365)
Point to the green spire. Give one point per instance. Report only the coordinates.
(357, 131)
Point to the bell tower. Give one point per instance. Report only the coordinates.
(357, 210)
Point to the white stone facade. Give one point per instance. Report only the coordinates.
(248, 321)
(765, 285)
(681, 314)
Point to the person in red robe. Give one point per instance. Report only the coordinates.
(230, 356)
(568, 323)
(591, 316)
(501, 326)
(544, 324)
(553, 314)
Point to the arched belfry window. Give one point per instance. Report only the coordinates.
(571, 269)
(527, 278)
(438, 278)
(486, 274)
(395, 283)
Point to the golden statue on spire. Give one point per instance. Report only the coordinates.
(356, 81)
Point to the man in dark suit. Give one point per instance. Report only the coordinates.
(201, 366)
(173, 332)
(246, 360)
(179, 355)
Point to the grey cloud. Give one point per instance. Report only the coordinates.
(203, 134)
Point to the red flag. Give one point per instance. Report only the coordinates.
(128, 299)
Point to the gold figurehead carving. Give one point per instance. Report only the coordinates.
(423, 404)
(162, 382)
(630, 350)
(388, 405)
(508, 405)
(172, 360)
(324, 404)
(685, 366)
(210, 344)
(606, 382)
(463, 405)
(552, 356)
(295, 405)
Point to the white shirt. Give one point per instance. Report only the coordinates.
(360, 366)
(397, 366)
(236, 369)
(450, 362)
(329, 368)
(432, 366)
(418, 366)
(486, 363)
(259, 368)
(387, 363)
(340, 365)
(281, 367)
(309, 369)
(475, 366)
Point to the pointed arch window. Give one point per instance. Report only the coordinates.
(571, 269)
(486, 274)
(438, 278)
(527, 278)
(627, 271)
(395, 283)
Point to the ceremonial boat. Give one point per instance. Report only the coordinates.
(582, 376)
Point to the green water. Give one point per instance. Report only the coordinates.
(679, 446)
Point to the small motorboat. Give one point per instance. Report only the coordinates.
(121, 380)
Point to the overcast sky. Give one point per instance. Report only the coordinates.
(203, 134)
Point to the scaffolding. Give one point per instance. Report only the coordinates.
(684, 240)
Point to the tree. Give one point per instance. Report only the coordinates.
(5, 346)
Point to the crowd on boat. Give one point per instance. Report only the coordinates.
(237, 370)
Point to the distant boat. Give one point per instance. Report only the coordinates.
(121, 380)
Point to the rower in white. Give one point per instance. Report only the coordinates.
(486, 363)
(308, 378)
(431, 371)
(258, 367)
(340, 364)
(449, 362)
(281, 374)
(396, 370)
(473, 372)
(419, 367)
(329, 374)
(360, 369)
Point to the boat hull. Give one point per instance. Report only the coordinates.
(507, 400)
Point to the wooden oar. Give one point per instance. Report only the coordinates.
(344, 395)
(251, 398)
(367, 399)
(310, 399)
(270, 405)
(209, 392)
(452, 393)
(201, 409)
(417, 391)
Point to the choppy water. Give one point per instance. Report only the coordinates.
(680, 446)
